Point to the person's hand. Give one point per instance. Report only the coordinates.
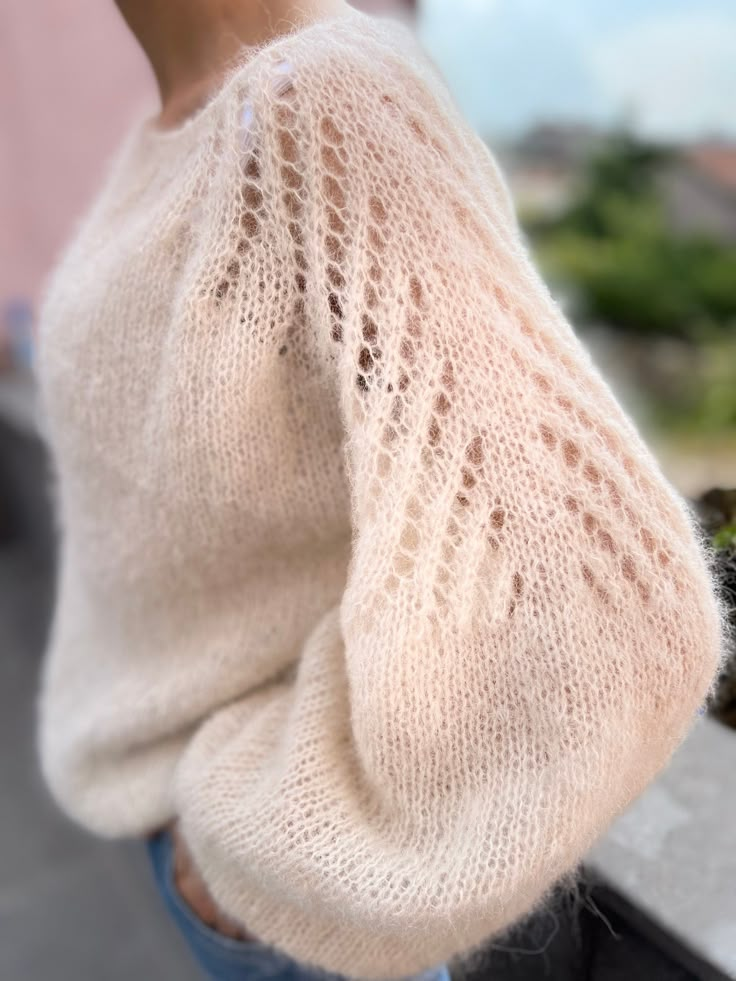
(194, 892)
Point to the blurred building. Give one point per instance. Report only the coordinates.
(543, 166)
(700, 191)
(698, 185)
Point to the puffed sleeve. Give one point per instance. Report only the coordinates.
(529, 621)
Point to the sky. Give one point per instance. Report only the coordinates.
(666, 66)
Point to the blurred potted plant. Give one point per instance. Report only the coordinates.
(716, 511)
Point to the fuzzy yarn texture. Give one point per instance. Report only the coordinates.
(365, 573)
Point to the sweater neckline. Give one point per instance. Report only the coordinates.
(152, 133)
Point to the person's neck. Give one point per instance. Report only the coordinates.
(190, 44)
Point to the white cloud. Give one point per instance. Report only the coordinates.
(671, 63)
(677, 73)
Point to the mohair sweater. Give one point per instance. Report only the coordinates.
(365, 573)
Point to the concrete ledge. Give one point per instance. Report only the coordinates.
(668, 864)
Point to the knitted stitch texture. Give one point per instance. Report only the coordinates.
(365, 573)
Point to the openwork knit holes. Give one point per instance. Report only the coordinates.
(249, 211)
(371, 373)
(251, 216)
(292, 191)
(610, 493)
(395, 377)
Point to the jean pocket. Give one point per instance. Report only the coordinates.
(161, 847)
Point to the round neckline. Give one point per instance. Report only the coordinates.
(248, 53)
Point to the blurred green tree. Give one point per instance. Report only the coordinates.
(613, 245)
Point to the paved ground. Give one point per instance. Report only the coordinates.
(72, 908)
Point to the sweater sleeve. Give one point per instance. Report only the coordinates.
(529, 621)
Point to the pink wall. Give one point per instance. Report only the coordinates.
(71, 75)
(71, 78)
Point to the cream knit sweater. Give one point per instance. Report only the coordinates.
(365, 572)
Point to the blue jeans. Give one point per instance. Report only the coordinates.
(225, 959)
